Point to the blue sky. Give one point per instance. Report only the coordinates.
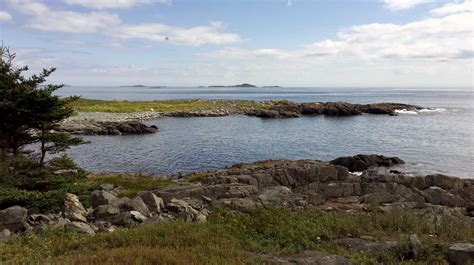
(400, 43)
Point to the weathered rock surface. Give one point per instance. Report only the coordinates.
(415, 246)
(5, 236)
(153, 202)
(13, 219)
(364, 162)
(102, 197)
(90, 127)
(80, 227)
(73, 209)
(286, 109)
(461, 254)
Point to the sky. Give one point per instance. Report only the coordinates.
(322, 43)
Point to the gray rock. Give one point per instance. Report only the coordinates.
(182, 209)
(461, 254)
(37, 219)
(443, 181)
(201, 218)
(439, 196)
(79, 227)
(14, 219)
(244, 205)
(120, 219)
(416, 247)
(154, 203)
(135, 204)
(378, 197)
(104, 226)
(364, 162)
(5, 236)
(73, 209)
(137, 216)
(314, 257)
(104, 211)
(154, 220)
(101, 197)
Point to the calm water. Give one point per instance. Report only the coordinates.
(431, 142)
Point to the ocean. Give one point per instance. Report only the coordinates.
(436, 140)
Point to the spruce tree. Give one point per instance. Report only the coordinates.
(30, 113)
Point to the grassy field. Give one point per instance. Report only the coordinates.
(235, 238)
(89, 105)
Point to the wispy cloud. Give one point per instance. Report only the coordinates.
(405, 4)
(44, 18)
(5, 16)
(453, 8)
(111, 4)
(448, 37)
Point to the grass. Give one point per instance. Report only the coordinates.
(130, 184)
(234, 238)
(90, 105)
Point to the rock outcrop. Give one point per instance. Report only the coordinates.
(461, 254)
(286, 109)
(270, 184)
(90, 127)
(364, 162)
(13, 219)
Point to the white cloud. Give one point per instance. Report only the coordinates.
(405, 4)
(443, 38)
(433, 51)
(453, 8)
(110, 24)
(5, 16)
(105, 4)
(189, 36)
(46, 19)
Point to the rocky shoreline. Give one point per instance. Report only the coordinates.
(103, 123)
(329, 186)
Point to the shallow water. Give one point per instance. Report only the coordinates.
(440, 141)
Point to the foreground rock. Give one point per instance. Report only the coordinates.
(90, 127)
(269, 184)
(461, 254)
(13, 219)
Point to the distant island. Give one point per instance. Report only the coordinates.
(241, 85)
(144, 86)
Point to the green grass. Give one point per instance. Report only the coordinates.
(235, 238)
(130, 184)
(90, 105)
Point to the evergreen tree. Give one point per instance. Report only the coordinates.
(30, 113)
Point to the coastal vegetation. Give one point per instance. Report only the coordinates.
(121, 106)
(236, 238)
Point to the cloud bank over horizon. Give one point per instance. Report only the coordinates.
(110, 42)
